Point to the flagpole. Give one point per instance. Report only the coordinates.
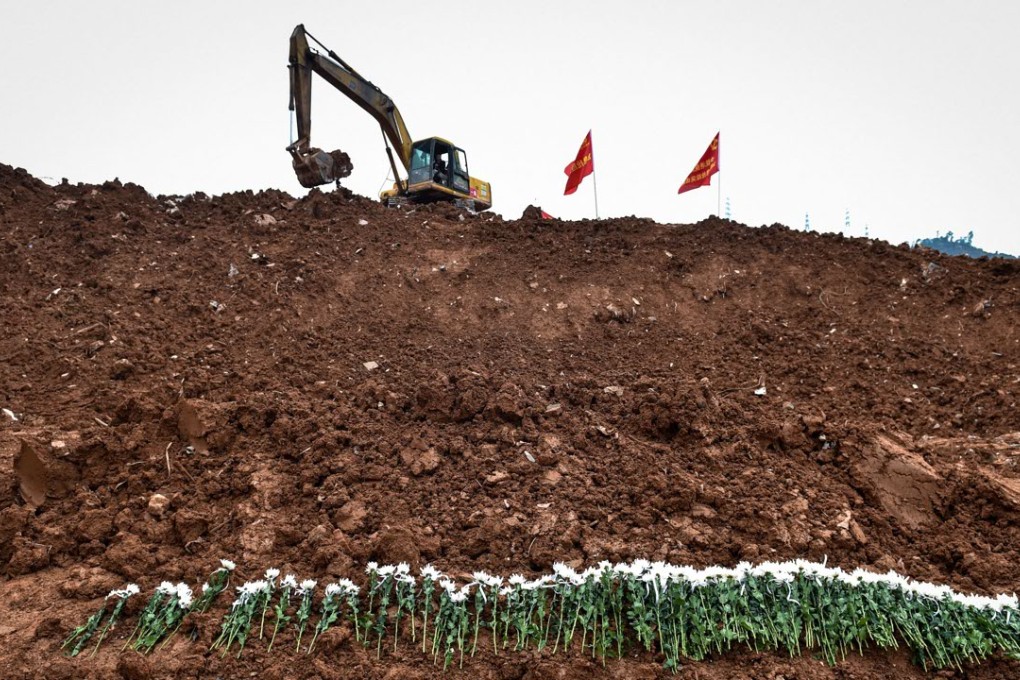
(594, 180)
(718, 199)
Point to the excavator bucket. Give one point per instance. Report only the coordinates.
(316, 167)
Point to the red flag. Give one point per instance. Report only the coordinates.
(547, 216)
(701, 175)
(582, 166)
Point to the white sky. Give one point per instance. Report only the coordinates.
(903, 112)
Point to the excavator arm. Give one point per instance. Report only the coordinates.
(314, 166)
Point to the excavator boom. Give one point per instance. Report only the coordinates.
(312, 165)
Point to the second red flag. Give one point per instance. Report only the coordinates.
(701, 175)
(582, 166)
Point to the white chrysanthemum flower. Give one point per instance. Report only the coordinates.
(894, 580)
(228, 565)
(541, 582)
(371, 567)
(975, 601)
(687, 573)
(430, 573)
(809, 569)
(487, 579)
(403, 568)
(568, 574)
(126, 592)
(661, 573)
(458, 596)
(851, 579)
(865, 577)
(1007, 601)
(718, 573)
(271, 574)
(289, 581)
(205, 588)
(517, 580)
(255, 587)
(348, 586)
(929, 590)
(247, 591)
(307, 585)
(447, 585)
(184, 595)
(166, 588)
(333, 589)
(836, 574)
(989, 603)
(386, 570)
(828, 573)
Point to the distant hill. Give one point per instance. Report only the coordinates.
(959, 246)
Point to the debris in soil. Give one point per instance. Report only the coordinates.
(285, 449)
(158, 505)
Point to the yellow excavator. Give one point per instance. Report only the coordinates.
(436, 168)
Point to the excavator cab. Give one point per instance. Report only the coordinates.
(437, 165)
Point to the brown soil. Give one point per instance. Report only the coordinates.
(213, 350)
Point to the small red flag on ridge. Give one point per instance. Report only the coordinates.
(582, 166)
(701, 175)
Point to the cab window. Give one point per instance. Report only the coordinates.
(420, 157)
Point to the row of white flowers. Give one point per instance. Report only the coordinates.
(678, 612)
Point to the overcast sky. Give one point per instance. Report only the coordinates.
(904, 113)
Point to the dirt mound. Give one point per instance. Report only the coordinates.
(312, 383)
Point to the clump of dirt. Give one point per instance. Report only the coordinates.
(314, 382)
